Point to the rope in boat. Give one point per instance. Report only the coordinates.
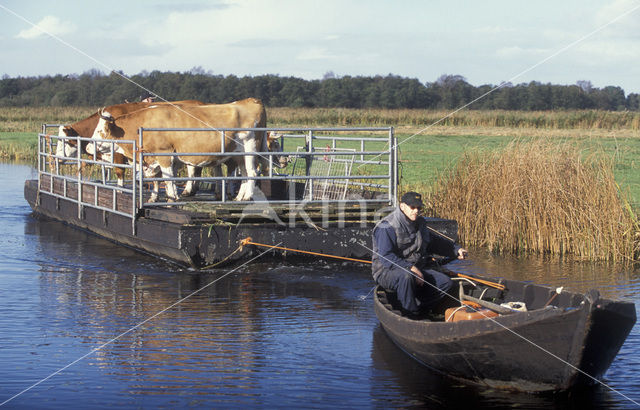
(249, 241)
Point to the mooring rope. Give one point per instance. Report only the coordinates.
(238, 249)
(248, 241)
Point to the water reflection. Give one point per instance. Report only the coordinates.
(612, 280)
(269, 334)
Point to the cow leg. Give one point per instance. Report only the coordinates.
(243, 185)
(248, 169)
(153, 172)
(172, 190)
(154, 192)
(118, 158)
(232, 169)
(216, 171)
(192, 186)
(103, 170)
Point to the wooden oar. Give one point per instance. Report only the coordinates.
(499, 286)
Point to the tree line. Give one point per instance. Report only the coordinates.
(93, 88)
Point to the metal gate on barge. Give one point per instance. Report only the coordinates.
(328, 167)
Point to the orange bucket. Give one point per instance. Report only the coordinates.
(456, 314)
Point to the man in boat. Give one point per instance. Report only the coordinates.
(402, 250)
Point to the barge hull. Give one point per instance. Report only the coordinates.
(200, 240)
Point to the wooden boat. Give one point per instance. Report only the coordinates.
(562, 340)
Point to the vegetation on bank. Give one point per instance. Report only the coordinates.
(30, 119)
(548, 182)
(539, 196)
(20, 146)
(419, 119)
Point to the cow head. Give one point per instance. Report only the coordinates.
(273, 145)
(66, 147)
(102, 132)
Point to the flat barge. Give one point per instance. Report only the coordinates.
(207, 231)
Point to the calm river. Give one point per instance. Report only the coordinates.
(86, 323)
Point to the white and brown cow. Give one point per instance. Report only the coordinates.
(86, 127)
(248, 113)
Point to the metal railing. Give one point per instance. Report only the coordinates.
(61, 176)
(370, 177)
(329, 165)
(379, 175)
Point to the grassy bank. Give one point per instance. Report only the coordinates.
(429, 154)
(593, 123)
(423, 158)
(584, 119)
(18, 146)
(425, 149)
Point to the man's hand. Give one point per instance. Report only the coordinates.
(462, 253)
(418, 276)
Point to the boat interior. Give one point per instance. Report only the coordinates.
(474, 298)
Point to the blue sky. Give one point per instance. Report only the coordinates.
(486, 42)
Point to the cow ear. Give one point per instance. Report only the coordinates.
(105, 115)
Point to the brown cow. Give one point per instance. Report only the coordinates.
(86, 127)
(248, 113)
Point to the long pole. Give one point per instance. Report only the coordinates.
(248, 241)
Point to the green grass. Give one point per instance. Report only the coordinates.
(423, 157)
(18, 145)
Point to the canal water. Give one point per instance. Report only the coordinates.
(91, 324)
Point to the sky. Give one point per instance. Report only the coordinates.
(486, 42)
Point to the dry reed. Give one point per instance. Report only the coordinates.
(569, 119)
(29, 119)
(538, 197)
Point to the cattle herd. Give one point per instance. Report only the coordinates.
(123, 121)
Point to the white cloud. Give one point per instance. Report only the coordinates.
(621, 16)
(518, 52)
(608, 53)
(493, 30)
(315, 54)
(244, 21)
(49, 25)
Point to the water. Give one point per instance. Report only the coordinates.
(94, 324)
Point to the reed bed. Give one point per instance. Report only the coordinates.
(581, 119)
(29, 119)
(538, 197)
(18, 146)
(19, 152)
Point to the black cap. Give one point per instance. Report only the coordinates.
(413, 199)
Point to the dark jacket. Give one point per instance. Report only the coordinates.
(398, 241)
